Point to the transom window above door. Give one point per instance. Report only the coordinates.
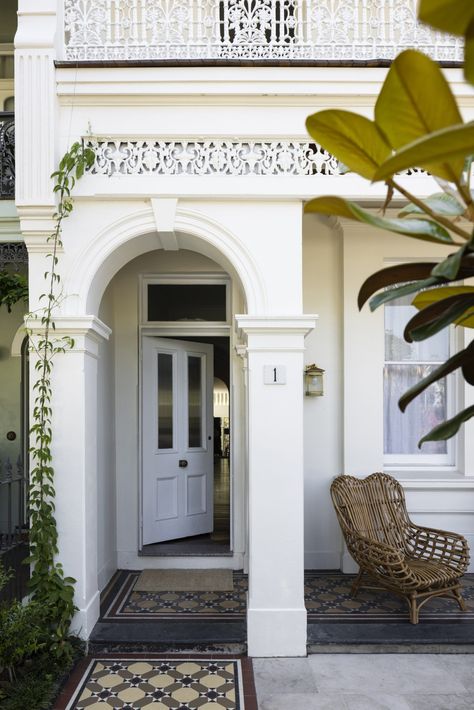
(178, 299)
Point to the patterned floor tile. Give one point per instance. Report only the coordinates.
(327, 597)
(160, 684)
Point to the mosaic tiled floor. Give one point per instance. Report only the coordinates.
(163, 684)
(327, 597)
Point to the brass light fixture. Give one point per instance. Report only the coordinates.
(313, 381)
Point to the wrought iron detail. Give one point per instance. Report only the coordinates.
(13, 254)
(211, 157)
(7, 156)
(327, 30)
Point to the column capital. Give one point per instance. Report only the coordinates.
(277, 325)
(86, 331)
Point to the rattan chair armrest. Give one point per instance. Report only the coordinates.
(440, 545)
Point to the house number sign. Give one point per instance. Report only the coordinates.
(274, 375)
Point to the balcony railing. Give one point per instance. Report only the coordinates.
(343, 31)
(7, 156)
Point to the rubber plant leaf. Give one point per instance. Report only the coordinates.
(435, 317)
(426, 298)
(441, 203)
(424, 229)
(444, 369)
(434, 149)
(449, 267)
(391, 294)
(452, 16)
(416, 100)
(449, 428)
(354, 140)
(391, 275)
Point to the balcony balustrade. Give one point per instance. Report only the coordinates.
(344, 31)
(7, 156)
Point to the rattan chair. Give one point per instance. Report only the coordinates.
(414, 562)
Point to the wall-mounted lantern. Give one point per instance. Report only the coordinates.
(313, 381)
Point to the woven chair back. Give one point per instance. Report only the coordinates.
(373, 507)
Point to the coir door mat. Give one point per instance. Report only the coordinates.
(159, 683)
(184, 580)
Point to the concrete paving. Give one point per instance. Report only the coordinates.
(384, 681)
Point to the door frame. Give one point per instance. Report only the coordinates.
(192, 330)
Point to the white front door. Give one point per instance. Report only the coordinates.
(177, 432)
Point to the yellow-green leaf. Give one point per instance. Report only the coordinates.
(419, 228)
(354, 140)
(438, 147)
(451, 16)
(416, 100)
(427, 298)
(469, 52)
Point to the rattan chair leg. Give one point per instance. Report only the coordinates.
(414, 612)
(356, 583)
(459, 599)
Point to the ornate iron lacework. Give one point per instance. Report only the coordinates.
(327, 30)
(13, 254)
(212, 157)
(7, 156)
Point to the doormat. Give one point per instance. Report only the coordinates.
(160, 682)
(185, 580)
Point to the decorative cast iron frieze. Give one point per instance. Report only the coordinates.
(211, 157)
(13, 254)
(7, 156)
(326, 30)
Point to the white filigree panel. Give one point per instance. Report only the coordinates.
(344, 30)
(212, 157)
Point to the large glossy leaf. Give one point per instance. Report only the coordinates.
(449, 267)
(469, 53)
(419, 228)
(449, 428)
(435, 317)
(441, 203)
(426, 298)
(436, 148)
(397, 274)
(390, 294)
(415, 100)
(354, 140)
(452, 16)
(446, 368)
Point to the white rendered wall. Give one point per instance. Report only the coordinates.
(106, 474)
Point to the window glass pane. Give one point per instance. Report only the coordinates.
(397, 315)
(402, 431)
(165, 401)
(185, 302)
(194, 402)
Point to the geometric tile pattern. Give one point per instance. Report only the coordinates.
(167, 605)
(161, 684)
(327, 597)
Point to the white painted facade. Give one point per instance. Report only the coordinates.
(294, 281)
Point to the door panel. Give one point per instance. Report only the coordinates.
(177, 439)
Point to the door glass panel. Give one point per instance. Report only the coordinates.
(165, 401)
(194, 402)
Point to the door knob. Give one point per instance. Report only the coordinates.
(183, 463)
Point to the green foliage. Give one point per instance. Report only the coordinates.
(13, 288)
(417, 124)
(48, 585)
(457, 18)
(23, 632)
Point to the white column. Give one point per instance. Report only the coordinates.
(276, 616)
(35, 94)
(74, 449)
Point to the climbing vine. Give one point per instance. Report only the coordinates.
(48, 585)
